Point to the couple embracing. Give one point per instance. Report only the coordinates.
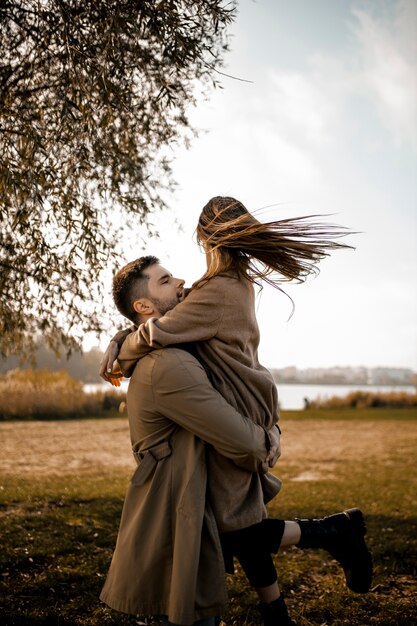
(203, 417)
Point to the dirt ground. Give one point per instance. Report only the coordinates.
(79, 446)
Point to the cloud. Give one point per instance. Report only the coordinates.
(301, 105)
(387, 66)
(319, 105)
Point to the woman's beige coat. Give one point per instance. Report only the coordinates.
(168, 559)
(220, 318)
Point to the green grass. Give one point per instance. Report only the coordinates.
(58, 533)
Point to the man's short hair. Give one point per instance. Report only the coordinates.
(131, 283)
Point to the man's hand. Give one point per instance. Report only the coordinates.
(107, 363)
(275, 449)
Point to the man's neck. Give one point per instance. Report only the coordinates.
(144, 318)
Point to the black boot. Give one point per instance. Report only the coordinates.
(275, 613)
(343, 536)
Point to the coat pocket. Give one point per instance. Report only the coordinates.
(148, 460)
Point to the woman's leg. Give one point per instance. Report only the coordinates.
(291, 535)
(252, 547)
(268, 594)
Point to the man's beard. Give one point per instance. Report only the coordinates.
(164, 306)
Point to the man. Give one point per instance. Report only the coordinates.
(168, 559)
(145, 289)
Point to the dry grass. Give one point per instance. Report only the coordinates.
(65, 448)
(87, 446)
(368, 399)
(43, 394)
(62, 486)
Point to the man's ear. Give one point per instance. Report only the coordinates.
(143, 306)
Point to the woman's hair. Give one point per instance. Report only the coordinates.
(276, 252)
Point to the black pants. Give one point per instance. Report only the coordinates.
(252, 546)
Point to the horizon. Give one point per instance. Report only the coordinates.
(94, 347)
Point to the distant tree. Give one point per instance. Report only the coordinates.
(90, 94)
(82, 366)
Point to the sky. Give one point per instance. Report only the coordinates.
(326, 124)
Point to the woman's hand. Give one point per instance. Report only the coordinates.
(107, 363)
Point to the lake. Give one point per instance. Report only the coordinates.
(291, 397)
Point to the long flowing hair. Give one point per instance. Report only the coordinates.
(274, 252)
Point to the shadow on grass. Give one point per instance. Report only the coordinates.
(56, 552)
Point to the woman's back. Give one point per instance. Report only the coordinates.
(231, 355)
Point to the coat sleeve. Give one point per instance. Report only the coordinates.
(183, 393)
(197, 318)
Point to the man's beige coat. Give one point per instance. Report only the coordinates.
(220, 318)
(168, 559)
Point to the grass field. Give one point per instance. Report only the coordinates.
(62, 486)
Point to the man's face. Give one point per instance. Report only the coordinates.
(164, 291)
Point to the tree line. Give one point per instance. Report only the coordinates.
(81, 366)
